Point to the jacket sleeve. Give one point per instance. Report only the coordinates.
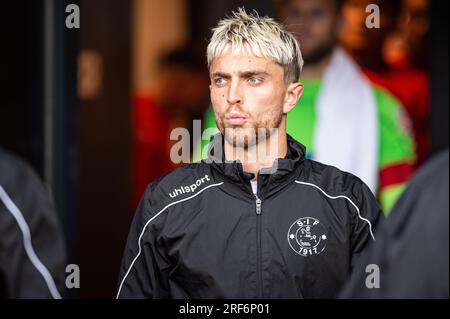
(144, 269)
(368, 215)
(32, 254)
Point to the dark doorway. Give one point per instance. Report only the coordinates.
(104, 146)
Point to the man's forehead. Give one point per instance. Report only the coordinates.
(240, 62)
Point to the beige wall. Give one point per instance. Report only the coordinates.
(157, 26)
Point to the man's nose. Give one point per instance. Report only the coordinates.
(234, 93)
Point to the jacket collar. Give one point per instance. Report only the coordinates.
(270, 180)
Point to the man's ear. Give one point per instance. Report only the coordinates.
(293, 94)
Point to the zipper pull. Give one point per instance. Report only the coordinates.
(258, 205)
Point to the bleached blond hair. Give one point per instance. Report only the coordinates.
(260, 36)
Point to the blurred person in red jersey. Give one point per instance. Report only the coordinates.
(373, 48)
(407, 46)
(161, 108)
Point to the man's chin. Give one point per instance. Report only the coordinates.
(247, 137)
(240, 139)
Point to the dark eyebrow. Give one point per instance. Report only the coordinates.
(244, 74)
(247, 74)
(221, 75)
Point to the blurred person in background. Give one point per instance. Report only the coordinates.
(364, 118)
(342, 119)
(400, 38)
(411, 251)
(163, 107)
(406, 47)
(32, 251)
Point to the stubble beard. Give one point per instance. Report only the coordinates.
(252, 132)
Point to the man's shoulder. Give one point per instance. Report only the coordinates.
(15, 172)
(180, 184)
(341, 187)
(330, 180)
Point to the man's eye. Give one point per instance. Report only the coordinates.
(219, 81)
(254, 80)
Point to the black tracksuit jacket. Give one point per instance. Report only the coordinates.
(200, 232)
(413, 247)
(32, 249)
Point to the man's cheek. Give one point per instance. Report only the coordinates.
(216, 101)
(219, 119)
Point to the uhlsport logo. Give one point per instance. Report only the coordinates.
(306, 236)
(189, 188)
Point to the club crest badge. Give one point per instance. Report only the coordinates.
(307, 236)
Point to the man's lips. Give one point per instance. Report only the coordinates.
(236, 119)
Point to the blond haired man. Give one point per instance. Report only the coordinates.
(255, 219)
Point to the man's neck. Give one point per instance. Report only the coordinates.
(314, 71)
(264, 157)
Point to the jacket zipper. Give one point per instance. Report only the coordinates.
(259, 248)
